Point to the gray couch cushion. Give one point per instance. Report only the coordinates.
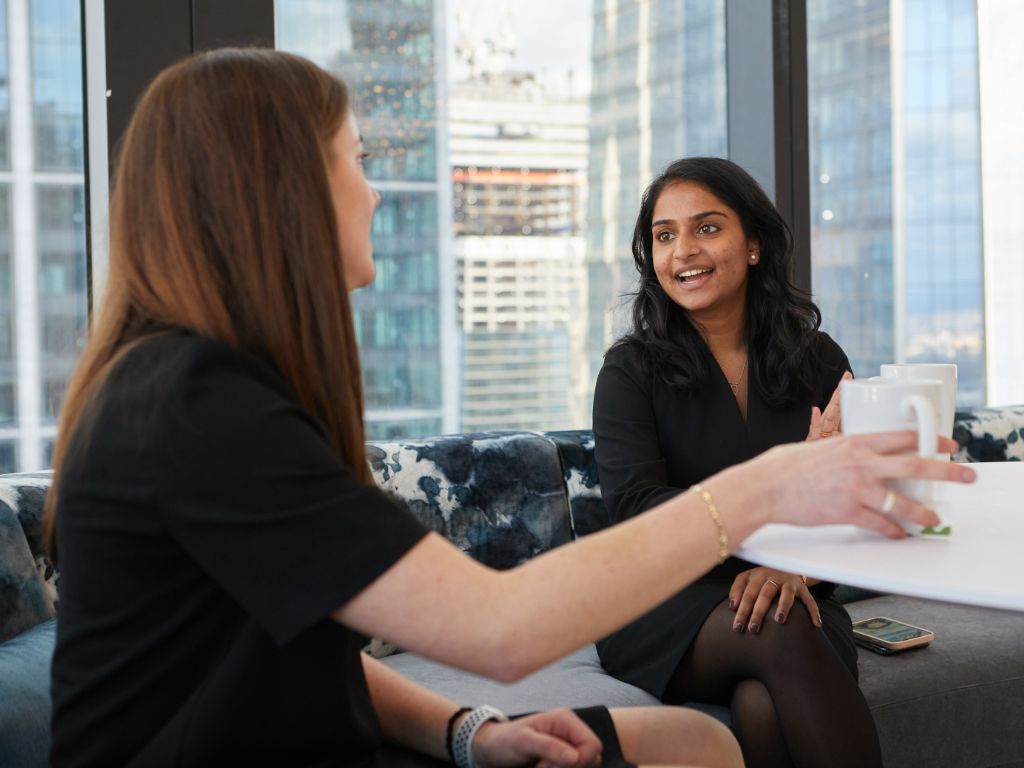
(938, 706)
(578, 680)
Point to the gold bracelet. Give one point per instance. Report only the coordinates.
(723, 537)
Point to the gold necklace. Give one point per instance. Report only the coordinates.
(735, 385)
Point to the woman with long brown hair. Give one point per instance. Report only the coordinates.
(223, 550)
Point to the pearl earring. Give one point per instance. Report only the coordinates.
(753, 256)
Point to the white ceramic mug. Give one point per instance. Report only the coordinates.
(943, 372)
(884, 405)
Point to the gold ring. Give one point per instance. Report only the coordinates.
(772, 581)
(826, 434)
(803, 579)
(888, 503)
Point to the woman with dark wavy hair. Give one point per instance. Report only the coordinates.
(725, 360)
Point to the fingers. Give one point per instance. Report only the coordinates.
(566, 727)
(919, 467)
(873, 520)
(739, 585)
(814, 431)
(903, 440)
(769, 590)
(548, 750)
(811, 604)
(785, 606)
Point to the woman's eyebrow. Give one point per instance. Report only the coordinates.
(705, 214)
(695, 217)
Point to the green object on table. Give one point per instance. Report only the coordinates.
(933, 531)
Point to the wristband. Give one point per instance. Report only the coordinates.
(462, 744)
(448, 732)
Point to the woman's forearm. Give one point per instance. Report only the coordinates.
(409, 714)
(442, 604)
(505, 625)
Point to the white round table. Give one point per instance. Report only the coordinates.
(980, 563)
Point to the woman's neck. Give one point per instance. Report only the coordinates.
(725, 335)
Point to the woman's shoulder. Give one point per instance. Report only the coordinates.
(828, 352)
(627, 352)
(176, 367)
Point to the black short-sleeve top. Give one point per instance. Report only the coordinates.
(206, 530)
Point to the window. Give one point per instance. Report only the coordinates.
(915, 241)
(547, 143)
(43, 304)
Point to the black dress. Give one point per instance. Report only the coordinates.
(652, 442)
(206, 531)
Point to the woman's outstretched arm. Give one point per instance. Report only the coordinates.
(439, 603)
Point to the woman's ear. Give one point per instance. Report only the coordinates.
(753, 252)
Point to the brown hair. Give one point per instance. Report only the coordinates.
(222, 223)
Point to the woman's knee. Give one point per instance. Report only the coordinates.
(675, 736)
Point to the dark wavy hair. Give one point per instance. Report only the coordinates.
(781, 319)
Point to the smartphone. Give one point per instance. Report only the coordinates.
(886, 636)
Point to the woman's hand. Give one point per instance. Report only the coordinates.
(844, 481)
(829, 422)
(553, 739)
(753, 591)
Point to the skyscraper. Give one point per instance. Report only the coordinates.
(519, 157)
(895, 182)
(659, 93)
(43, 300)
(387, 51)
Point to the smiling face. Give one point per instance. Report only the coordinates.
(700, 252)
(354, 203)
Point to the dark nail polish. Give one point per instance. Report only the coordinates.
(737, 627)
(780, 617)
(732, 604)
(755, 628)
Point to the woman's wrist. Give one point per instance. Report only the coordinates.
(741, 510)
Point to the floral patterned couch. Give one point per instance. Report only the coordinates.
(505, 497)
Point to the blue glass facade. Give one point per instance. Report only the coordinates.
(659, 93)
(896, 227)
(942, 190)
(384, 50)
(849, 98)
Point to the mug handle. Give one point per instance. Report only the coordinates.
(927, 423)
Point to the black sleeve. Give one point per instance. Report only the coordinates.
(254, 493)
(833, 363)
(630, 464)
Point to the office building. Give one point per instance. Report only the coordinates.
(519, 156)
(43, 299)
(659, 93)
(895, 183)
(386, 50)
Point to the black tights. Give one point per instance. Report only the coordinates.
(793, 701)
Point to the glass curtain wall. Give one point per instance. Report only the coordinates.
(43, 299)
(512, 142)
(897, 257)
(385, 50)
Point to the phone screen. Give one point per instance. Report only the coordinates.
(888, 630)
